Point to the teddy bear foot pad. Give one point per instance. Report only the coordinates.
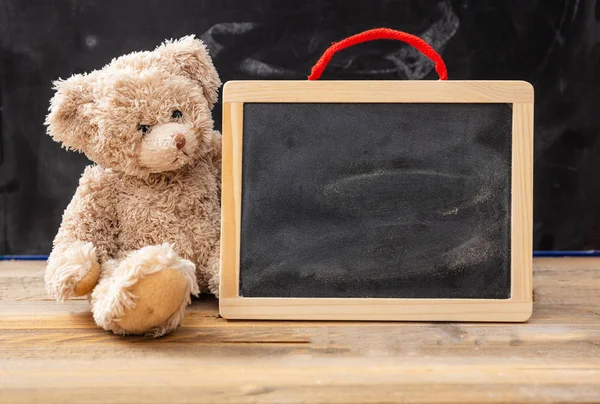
(146, 293)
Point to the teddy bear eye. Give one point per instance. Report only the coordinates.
(176, 114)
(143, 128)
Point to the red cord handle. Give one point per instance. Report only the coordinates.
(380, 33)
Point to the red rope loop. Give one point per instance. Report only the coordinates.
(380, 33)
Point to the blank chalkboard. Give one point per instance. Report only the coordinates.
(372, 200)
(408, 200)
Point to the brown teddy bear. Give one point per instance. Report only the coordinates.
(142, 232)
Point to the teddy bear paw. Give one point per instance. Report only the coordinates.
(146, 294)
(73, 271)
(161, 299)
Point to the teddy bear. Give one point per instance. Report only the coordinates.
(141, 234)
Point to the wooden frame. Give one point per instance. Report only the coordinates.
(517, 308)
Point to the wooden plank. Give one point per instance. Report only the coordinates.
(453, 91)
(298, 379)
(13, 268)
(231, 199)
(375, 309)
(522, 203)
(50, 316)
(61, 318)
(21, 286)
(562, 263)
(312, 391)
(377, 340)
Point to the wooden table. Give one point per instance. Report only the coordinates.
(52, 353)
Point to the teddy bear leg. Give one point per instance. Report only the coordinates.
(144, 293)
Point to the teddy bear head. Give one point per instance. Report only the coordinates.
(143, 113)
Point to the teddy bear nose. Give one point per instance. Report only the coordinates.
(179, 139)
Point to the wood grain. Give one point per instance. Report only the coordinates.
(231, 197)
(453, 91)
(55, 354)
(522, 202)
(375, 309)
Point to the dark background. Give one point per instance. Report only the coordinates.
(552, 44)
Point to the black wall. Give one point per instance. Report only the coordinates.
(552, 44)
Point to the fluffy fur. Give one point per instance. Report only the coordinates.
(152, 201)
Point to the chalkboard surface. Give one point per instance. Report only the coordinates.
(376, 200)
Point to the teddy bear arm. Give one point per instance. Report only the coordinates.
(215, 154)
(85, 239)
(213, 268)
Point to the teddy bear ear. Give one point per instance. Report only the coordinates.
(192, 59)
(66, 120)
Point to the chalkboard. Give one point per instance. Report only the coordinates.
(376, 200)
(354, 191)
